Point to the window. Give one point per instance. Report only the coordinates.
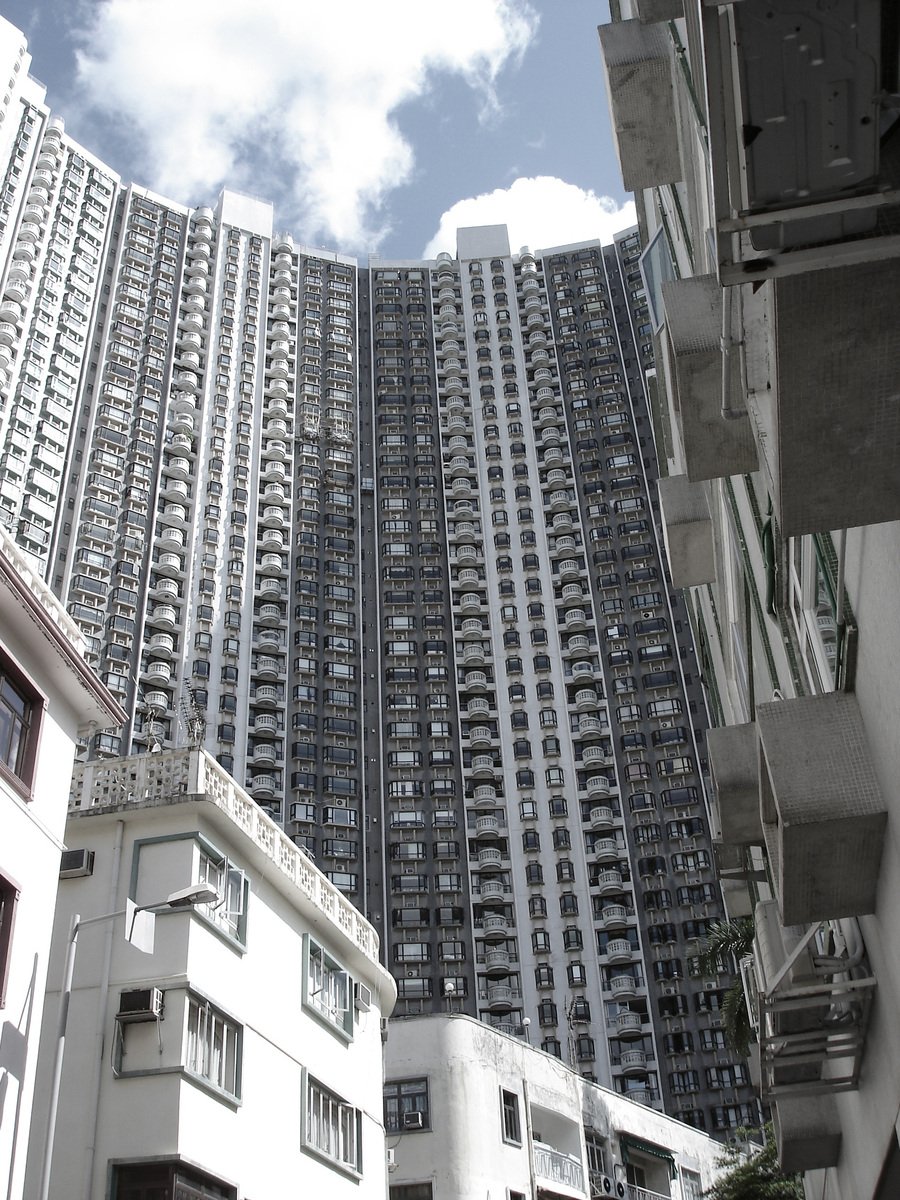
(512, 1129)
(229, 914)
(331, 1127)
(543, 976)
(406, 1105)
(326, 988)
(9, 895)
(20, 709)
(213, 1050)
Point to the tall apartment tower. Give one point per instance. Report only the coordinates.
(384, 540)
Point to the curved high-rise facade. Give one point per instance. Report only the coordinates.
(384, 539)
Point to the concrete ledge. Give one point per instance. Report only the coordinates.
(733, 760)
(687, 531)
(822, 811)
(637, 62)
(713, 446)
(808, 1133)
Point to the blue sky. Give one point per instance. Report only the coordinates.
(372, 127)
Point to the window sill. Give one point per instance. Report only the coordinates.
(343, 1168)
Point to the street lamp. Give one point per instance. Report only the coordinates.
(187, 897)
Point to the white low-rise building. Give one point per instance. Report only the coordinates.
(471, 1112)
(48, 698)
(246, 1050)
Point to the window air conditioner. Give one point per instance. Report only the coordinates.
(144, 1004)
(362, 997)
(413, 1120)
(75, 864)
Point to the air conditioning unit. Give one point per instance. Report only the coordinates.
(143, 1004)
(670, 990)
(413, 1120)
(74, 864)
(391, 1159)
(710, 986)
(362, 997)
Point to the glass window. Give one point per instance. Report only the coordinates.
(229, 912)
(326, 988)
(331, 1127)
(213, 1049)
(512, 1129)
(406, 1105)
(19, 719)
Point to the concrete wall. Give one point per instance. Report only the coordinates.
(154, 1107)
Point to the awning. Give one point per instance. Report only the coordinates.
(627, 1143)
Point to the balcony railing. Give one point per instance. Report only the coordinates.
(558, 1167)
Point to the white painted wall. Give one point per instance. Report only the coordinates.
(463, 1154)
(255, 1143)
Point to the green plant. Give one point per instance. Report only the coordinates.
(730, 940)
(757, 1177)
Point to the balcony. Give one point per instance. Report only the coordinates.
(487, 827)
(473, 654)
(628, 1025)
(633, 1062)
(595, 756)
(496, 928)
(481, 736)
(559, 1169)
(614, 916)
(578, 644)
(606, 850)
(501, 997)
(475, 681)
(607, 882)
(483, 765)
(589, 727)
(619, 951)
(497, 963)
(484, 796)
(489, 858)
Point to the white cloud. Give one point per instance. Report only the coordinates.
(301, 94)
(540, 211)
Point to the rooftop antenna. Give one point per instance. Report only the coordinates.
(193, 719)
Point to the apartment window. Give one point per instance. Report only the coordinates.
(326, 988)
(509, 1106)
(20, 711)
(543, 976)
(137, 1181)
(213, 1051)
(406, 1105)
(9, 895)
(332, 1128)
(229, 913)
